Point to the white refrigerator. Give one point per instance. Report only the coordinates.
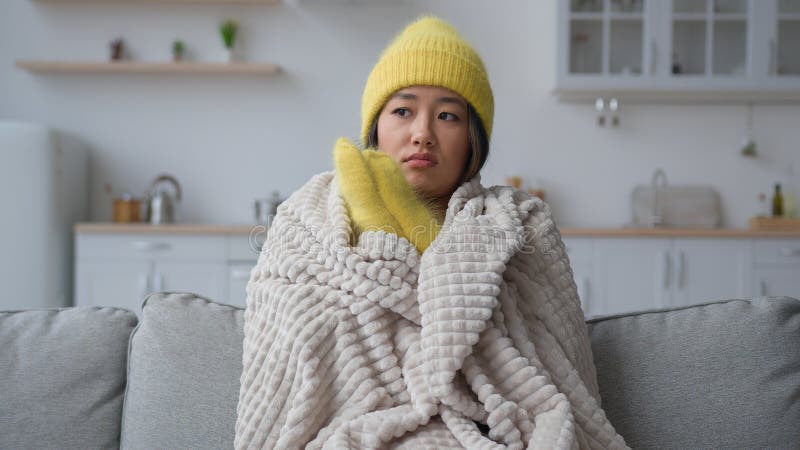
(44, 190)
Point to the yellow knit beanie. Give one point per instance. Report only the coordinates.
(428, 52)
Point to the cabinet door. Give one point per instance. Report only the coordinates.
(778, 281)
(604, 39)
(709, 38)
(205, 278)
(710, 269)
(238, 276)
(581, 258)
(777, 40)
(634, 274)
(122, 284)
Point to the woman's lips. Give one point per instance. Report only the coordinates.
(420, 163)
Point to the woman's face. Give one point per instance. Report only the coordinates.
(425, 130)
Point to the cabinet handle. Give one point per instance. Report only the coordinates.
(763, 288)
(149, 246)
(158, 282)
(680, 270)
(653, 56)
(790, 252)
(667, 270)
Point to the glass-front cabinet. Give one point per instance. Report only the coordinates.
(785, 43)
(709, 38)
(679, 49)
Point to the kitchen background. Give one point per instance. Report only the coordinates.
(231, 139)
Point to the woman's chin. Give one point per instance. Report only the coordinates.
(418, 182)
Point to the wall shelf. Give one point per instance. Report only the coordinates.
(133, 67)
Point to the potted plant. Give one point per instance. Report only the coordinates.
(227, 31)
(178, 48)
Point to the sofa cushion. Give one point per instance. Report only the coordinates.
(185, 360)
(62, 373)
(718, 375)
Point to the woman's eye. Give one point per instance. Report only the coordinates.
(400, 111)
(445, 114)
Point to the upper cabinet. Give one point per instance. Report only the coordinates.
(785, 40)
(739, 50)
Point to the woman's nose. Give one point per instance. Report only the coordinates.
(422, 132)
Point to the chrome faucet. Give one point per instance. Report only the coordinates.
(655, 212)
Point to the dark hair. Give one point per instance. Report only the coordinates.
(477, 139)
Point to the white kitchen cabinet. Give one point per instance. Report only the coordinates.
(205, 278)
(705, 270)
(238, 276)
(783, 40)
(119, 283)
(777, 268)
(243, 253)
(631, 274)
(581, 255)
(777, 281)
(121, 269)
(625, 274)
(746, 50)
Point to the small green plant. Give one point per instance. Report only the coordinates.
(177, 49)
(227, 30)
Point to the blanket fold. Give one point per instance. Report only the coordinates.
(372, 345)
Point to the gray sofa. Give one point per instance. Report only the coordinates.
(718, 375)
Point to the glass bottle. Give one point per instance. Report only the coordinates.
(777, 201)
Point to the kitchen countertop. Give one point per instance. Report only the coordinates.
(176, 228)
(187, 228)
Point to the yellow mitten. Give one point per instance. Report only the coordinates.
(378, 197)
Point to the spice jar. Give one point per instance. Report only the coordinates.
(127, 209)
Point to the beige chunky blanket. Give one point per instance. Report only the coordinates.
(368, 345)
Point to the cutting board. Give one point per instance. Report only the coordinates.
(775, 223)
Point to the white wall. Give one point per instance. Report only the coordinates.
(231, 139)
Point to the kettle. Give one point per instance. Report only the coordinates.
(161, 205)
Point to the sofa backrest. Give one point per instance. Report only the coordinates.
(62, 377)
(719, 375)
(185, 359)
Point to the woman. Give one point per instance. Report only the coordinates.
(398, 303)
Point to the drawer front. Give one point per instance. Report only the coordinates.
(777, 251)
(150, 246)
(243, 247)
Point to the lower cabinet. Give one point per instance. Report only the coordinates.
(122, 269)
(778, 281)
(205, 278)
(123, 284)
(630, 274)
(238, 276)
(613, 275)
(777, 270)
(621, 275)
(705, 270)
